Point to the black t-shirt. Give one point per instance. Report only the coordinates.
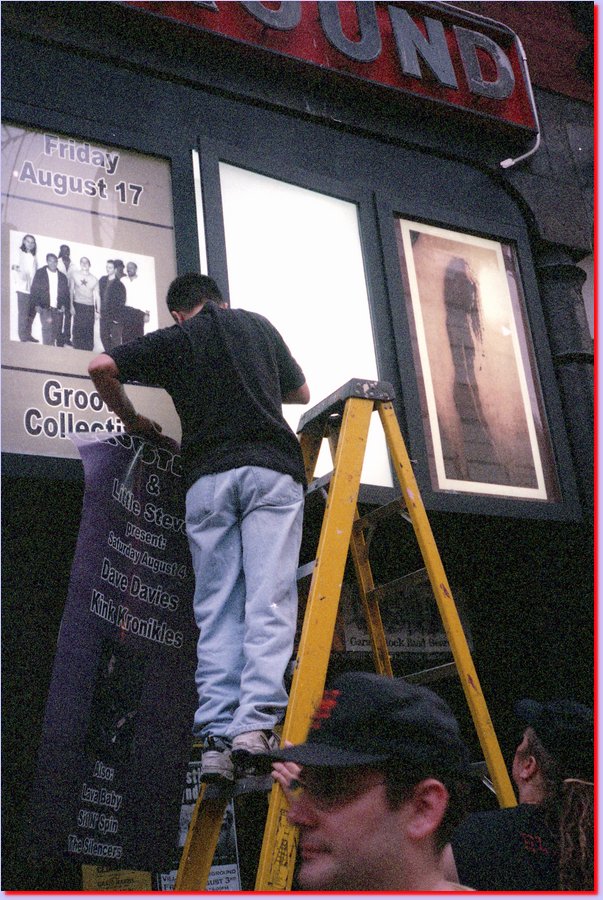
(507, 850)
(227, 371)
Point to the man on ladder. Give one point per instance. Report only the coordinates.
(228, 371)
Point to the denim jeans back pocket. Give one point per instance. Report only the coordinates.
(200, 498)
(274, 488)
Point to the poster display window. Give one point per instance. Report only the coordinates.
(411, 620)
(224, 874)
(482, 410)
(310, 280)
(89, 252)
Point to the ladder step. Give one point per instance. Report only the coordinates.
(384, 592)
(428, 676)
(480, 770)
(318, 484)
(306, 570)
(381, 513)
(251, 784)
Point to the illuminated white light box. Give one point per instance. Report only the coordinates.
(199, 211)
(294, 255)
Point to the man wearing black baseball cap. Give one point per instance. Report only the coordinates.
(546, 843)
(377, 792)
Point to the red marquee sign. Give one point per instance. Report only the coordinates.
(428, 50)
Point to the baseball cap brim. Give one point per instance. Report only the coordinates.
(325, 755)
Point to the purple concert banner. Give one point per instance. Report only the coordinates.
(117, 731)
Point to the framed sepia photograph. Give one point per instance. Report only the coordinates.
(482, 408)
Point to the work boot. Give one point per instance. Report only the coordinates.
(216, 761)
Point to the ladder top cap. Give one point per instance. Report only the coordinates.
(334, 403)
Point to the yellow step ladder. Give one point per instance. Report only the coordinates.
(344, 419)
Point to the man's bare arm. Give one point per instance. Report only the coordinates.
(105, 375)
(299, 395)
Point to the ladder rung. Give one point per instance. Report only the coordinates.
(480, 770)
(317, 484)
(428, 676)
(382, 512)
(389, 590)
(250, 785)
(306, 570)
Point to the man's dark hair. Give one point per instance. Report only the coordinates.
(188, 291)
(569, 808)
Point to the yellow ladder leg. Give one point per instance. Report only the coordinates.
(450, 617)
(310, 447)
(280, 839)
(366, 583)
(201, 841)
(372, 613)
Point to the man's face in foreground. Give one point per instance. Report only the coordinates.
(350, 838)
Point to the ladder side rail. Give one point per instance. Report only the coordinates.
(366, 583)
(280, 838)
(201, 842)
(370, 605)
(310, 447)
(447, 607)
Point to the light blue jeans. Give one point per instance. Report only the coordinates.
(244, 529)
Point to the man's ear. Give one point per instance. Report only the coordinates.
(427, 805)
(527, 767)
(177, 316)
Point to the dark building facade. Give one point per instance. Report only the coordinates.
(398, 190)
